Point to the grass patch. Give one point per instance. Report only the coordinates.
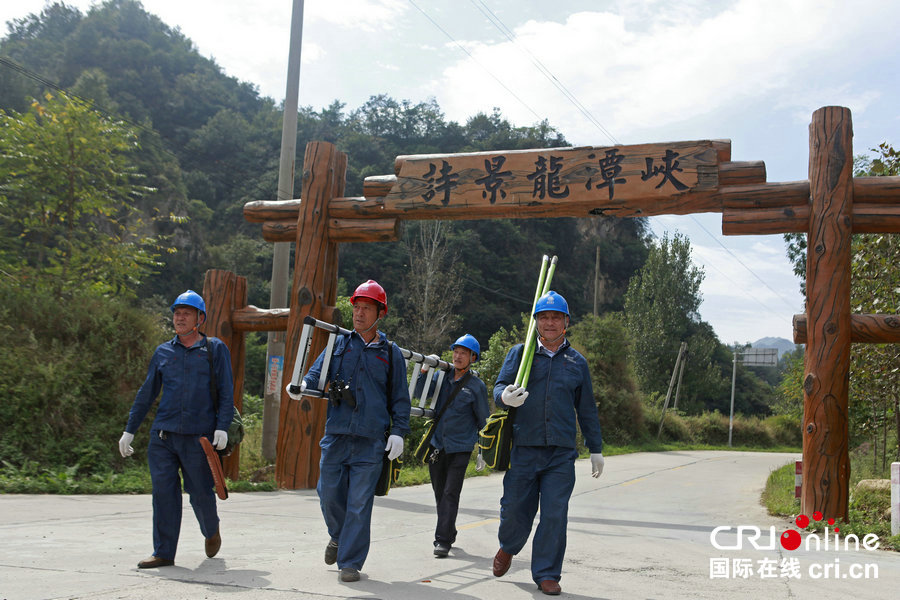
(868, 512)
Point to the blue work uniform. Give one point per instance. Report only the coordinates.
(354, 440)
(542, 462)
(185, 412)
(454, 438)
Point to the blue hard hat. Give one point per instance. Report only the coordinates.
(468, 341)
(551, 301)
(190, 298)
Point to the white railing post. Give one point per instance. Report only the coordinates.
(895, 498)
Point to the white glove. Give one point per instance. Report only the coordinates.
(220, 439)
(514, 395)
(425, 366)
(394, 447)
(296, 396)
(125, 448)
(596, 464)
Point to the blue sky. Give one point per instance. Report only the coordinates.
(603, 73)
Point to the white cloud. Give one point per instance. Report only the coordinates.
(673, 66)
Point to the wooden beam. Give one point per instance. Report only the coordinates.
(876, 190)
(761, 221)
(731, 195)
(339, 230)
(742, 173)
(251, 318)
(261, 211)
(826, 458)
(378, 186)
(867, 218)
(865, 328)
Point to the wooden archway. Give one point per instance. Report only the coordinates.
(624, 181)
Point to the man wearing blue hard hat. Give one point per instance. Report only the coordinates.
(184, 368)
(542, 462)
(461, 411)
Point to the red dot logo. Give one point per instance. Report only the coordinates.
(802, 521)
(790, 540)
(817, 516)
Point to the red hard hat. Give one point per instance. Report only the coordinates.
(371, 290)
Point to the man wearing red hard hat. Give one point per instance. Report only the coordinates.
(370, 402)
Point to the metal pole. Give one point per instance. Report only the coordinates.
(597, 283)
(733, 377)
(281, 257)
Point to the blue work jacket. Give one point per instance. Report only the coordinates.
(182, 373)
(559, 390)
(457, 430)
(365, 368)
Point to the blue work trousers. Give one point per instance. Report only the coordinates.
(166, 458)
(348, 472)
(538, 476)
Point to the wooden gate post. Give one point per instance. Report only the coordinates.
(826, 458)
(314, 291)
(224, 292)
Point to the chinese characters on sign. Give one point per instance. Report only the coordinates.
(551, 175)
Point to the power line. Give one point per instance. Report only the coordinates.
(786, 303)
(469, 54)
(547, 73)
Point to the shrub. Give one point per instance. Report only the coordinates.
(709, 428)
(69, 369)
(786, 430)
(675, 427)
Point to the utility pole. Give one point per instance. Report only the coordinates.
(733, 379)
(281, 257)
(597, 283)
(679, 365)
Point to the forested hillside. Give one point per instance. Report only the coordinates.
(168, 149)
(210, 143)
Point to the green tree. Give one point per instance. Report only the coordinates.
(875, 368)
(604, 342)
(661, 304)
(67, 184)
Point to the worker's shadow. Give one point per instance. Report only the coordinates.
(210, 573)
(451, 580)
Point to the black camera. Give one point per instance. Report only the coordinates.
(339, 391)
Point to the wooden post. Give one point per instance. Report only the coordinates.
(224, 292)
(826, 375)
(314, 290)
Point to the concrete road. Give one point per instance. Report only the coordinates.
(642, 530)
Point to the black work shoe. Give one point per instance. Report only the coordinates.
(349, 574)
(213, 544)
(441, 549)
(331, 553)
(155, 561)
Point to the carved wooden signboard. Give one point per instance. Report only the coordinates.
(486, 182)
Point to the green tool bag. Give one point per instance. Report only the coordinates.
(390, 474)
(425, 450)
(236, 428)
(495, 440)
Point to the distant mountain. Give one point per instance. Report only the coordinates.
(781, 344)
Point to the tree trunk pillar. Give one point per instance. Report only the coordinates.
(224, 292)
(826, 469)
(313, 292)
